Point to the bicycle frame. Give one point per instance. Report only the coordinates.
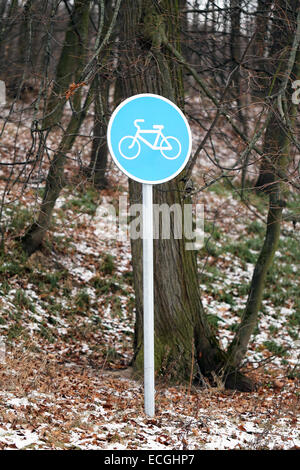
(154, 146)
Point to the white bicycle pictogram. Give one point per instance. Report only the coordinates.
(130, 146)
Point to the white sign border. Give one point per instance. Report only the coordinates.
(120, 106)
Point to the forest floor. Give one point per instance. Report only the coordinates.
(67, 323)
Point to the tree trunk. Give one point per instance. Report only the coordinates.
(181, 328)
(70, 59)
(239, 94)
(55, 178)
(8, 18)
(248, 323)
(34, 236)
(260, 81)
(283, 31)
(24, 50)
(98, 162)
(278, 140)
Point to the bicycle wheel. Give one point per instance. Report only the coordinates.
(175, 149)
(129, 147)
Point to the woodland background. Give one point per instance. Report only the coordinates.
(227, 315)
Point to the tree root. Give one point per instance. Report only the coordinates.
(237, 381)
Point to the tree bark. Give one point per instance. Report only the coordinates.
(278, 139)
(98, 162)
(35, 234)
(283, 32)
(249, 319)
(8, 18)
(236, 55)
(23, 50)
(70, 59)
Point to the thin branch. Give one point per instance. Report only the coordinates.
(215, 100)
(88, 70)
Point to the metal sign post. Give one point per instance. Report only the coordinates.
(148, 299)
(150, 141)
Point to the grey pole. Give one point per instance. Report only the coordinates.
(148, 299)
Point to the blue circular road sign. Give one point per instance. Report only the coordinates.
(149, 138)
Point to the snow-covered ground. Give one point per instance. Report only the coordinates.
(66, 331)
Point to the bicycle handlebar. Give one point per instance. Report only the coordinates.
(138, 120)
